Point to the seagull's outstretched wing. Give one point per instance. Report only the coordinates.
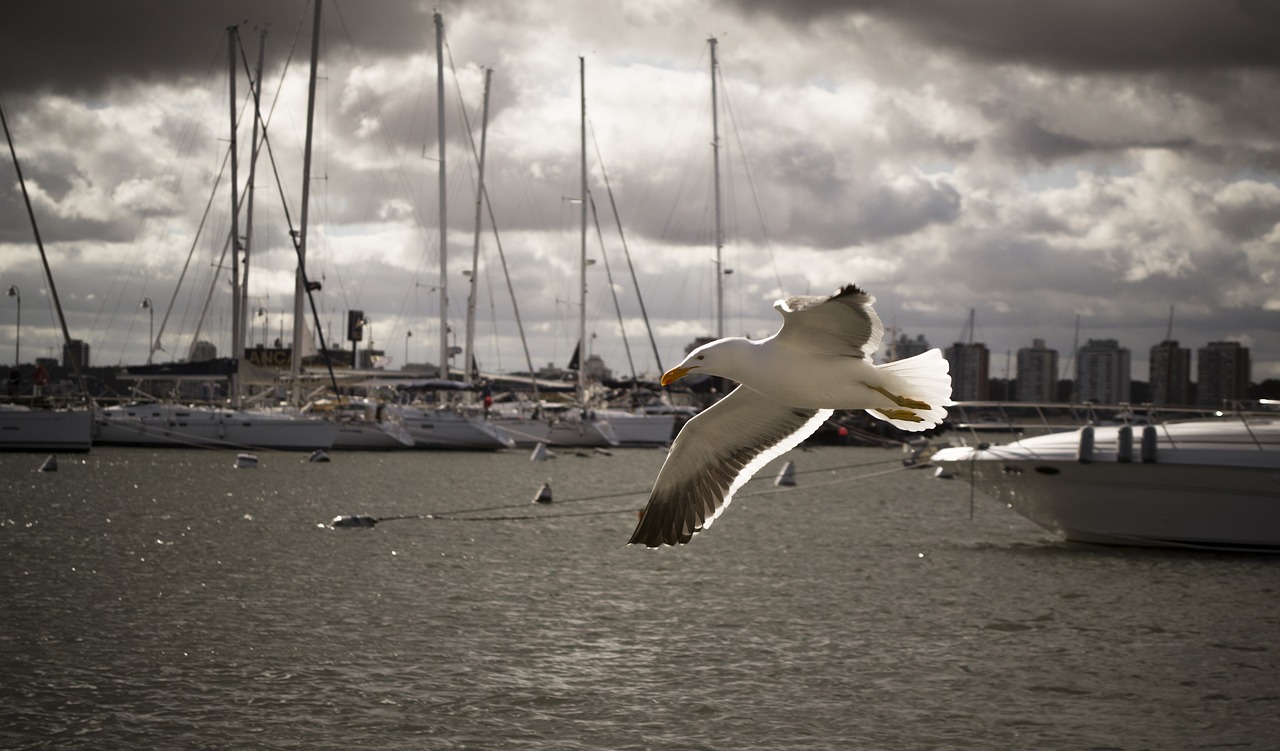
(842, 324)
(715, 454)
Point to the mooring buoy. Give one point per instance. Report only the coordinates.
(352, 521)
(786, 477)
(544, 494)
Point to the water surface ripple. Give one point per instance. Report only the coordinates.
(167, 600)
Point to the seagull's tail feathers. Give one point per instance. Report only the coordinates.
(925, 383)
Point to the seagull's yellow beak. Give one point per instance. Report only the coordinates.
(675, 374)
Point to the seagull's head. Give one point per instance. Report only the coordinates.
(717, 358)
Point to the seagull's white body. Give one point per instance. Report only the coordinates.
(818, 362)
(779, 371)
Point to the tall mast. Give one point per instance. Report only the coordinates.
(715, 151)
(444, 232)
(72, 353)
(475, 250)
(237, 332)
(582, 268)
(248, 213)
(299, 285)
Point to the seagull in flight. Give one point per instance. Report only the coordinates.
(789, 384)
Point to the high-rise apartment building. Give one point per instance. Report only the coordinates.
(1037, 373)
(1102, 372)
(1170, 374)
(1222, 373)
(902, 347)
(969, 371)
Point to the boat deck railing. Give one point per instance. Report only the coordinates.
(1038, 418)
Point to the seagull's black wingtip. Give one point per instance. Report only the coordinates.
(847, 290)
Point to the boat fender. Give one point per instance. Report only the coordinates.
(1149, 444)
(1124, 444)
(50, 464)
(1084, 454)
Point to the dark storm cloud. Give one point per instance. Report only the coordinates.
(1084, 35)
(82, 47)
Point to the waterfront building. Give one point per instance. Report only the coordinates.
(80, 349)
(1037, 373)
(1222, 372)
(903, 347)
(1102, 372)
(970, 364)
(1170, 374)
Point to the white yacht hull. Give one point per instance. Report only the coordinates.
(24, 429)
(1209, 486)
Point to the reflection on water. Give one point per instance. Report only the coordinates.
(166, 599)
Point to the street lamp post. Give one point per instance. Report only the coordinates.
(14, 292)
(151, 327)
(407, 336)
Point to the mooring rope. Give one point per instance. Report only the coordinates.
(464, 515)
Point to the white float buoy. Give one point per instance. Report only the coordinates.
(318, 456)
(544, 494)
(246, 461)
(786, 477)
(50, 464)
(540, 453)
(942, 473)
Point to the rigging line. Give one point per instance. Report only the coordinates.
(284, 69)
(751, 184)
(613, 292)
(493, 223)
(164, 321)
(208, 299)
(657, 359)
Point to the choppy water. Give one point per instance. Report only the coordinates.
(166, 600)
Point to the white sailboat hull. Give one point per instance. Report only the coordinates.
(165, 425)
(528, 432)
(23, 429)
(447, 429)
(639, 428)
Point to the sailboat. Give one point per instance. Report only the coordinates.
(169, 424)
(531, 423)
(442, 424)
(39, 426)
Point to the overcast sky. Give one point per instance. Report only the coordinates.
(1039, 163)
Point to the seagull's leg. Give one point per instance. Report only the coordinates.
(905, 415)
(901, 401)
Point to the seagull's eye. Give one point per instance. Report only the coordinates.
(702, 357)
